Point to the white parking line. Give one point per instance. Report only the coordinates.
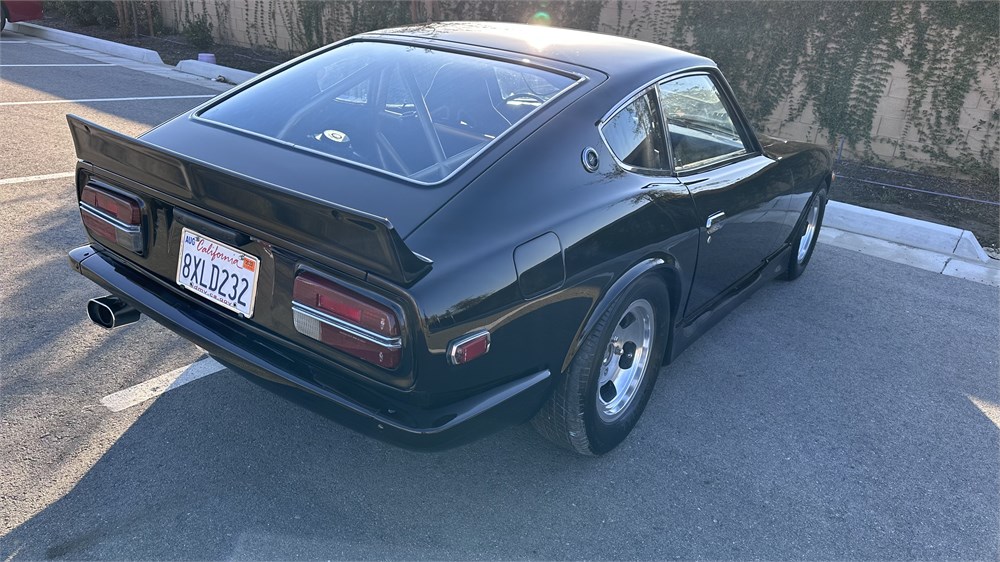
(42, 177)
(10, 41)
(6, 103)
(124, 399)
(64, 64)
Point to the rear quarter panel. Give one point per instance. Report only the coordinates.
(606, 221)
(809, 166)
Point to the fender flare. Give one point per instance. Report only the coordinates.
(616, 289)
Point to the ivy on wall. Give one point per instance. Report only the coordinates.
(951, 45)
(836, 57)
(832, 58)
(311, 24)
(320, 23)
(575, 14)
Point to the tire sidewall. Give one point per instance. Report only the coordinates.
(796, 268)
(603, 435)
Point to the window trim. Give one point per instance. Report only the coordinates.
(728, 99)
(579, 80)
(655, 108)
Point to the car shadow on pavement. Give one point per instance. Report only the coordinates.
(45, 318)
(752, 447)
(220, 467)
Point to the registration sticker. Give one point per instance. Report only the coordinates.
(217, 272)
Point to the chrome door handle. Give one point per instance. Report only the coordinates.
(713, 223)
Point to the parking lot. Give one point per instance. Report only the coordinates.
(854, 413)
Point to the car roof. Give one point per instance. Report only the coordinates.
(612, 55)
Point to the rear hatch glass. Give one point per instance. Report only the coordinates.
(409, 111)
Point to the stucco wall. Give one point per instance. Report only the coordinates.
(894, 139)
(899, 132)
(245, 23)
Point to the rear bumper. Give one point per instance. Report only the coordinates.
(279, 366)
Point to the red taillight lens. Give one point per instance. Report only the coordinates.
(314, 291)
(469, 347)
(346, 320)
(99, 228)
(123, 209)
(112, 217)
(374, 353)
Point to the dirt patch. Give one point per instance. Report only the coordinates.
(961, 203)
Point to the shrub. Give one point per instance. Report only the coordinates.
(198, 32)
(87, 13)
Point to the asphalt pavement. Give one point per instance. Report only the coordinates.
(851, 414)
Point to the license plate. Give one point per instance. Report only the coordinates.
(220, 273)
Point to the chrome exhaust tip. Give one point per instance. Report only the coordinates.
(111, 312)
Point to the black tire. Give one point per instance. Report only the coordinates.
(578, 416)
(799, 257)
(3, 17)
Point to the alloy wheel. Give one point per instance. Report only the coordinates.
(625, 360)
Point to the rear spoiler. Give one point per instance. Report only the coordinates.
(354, 237)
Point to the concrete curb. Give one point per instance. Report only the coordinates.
(905, 231)
(197, 68)
(214, 71)
(943, 263)
(92, 43)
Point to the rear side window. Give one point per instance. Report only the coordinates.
(635, 135)
(701, 130)
(410, 111)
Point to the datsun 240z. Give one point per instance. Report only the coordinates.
(432, 232)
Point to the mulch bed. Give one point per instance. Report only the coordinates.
(961, 203)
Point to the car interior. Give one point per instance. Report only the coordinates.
(420, 115)
(700, 128)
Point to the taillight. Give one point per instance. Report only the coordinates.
(346, 320)
(112, 217)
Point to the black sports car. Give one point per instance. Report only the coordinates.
(435, 231)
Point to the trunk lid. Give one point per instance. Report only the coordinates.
(295, 219)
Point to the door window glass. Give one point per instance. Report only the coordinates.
(635, 135)
(699, 126)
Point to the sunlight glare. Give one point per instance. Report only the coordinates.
(989, 409)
